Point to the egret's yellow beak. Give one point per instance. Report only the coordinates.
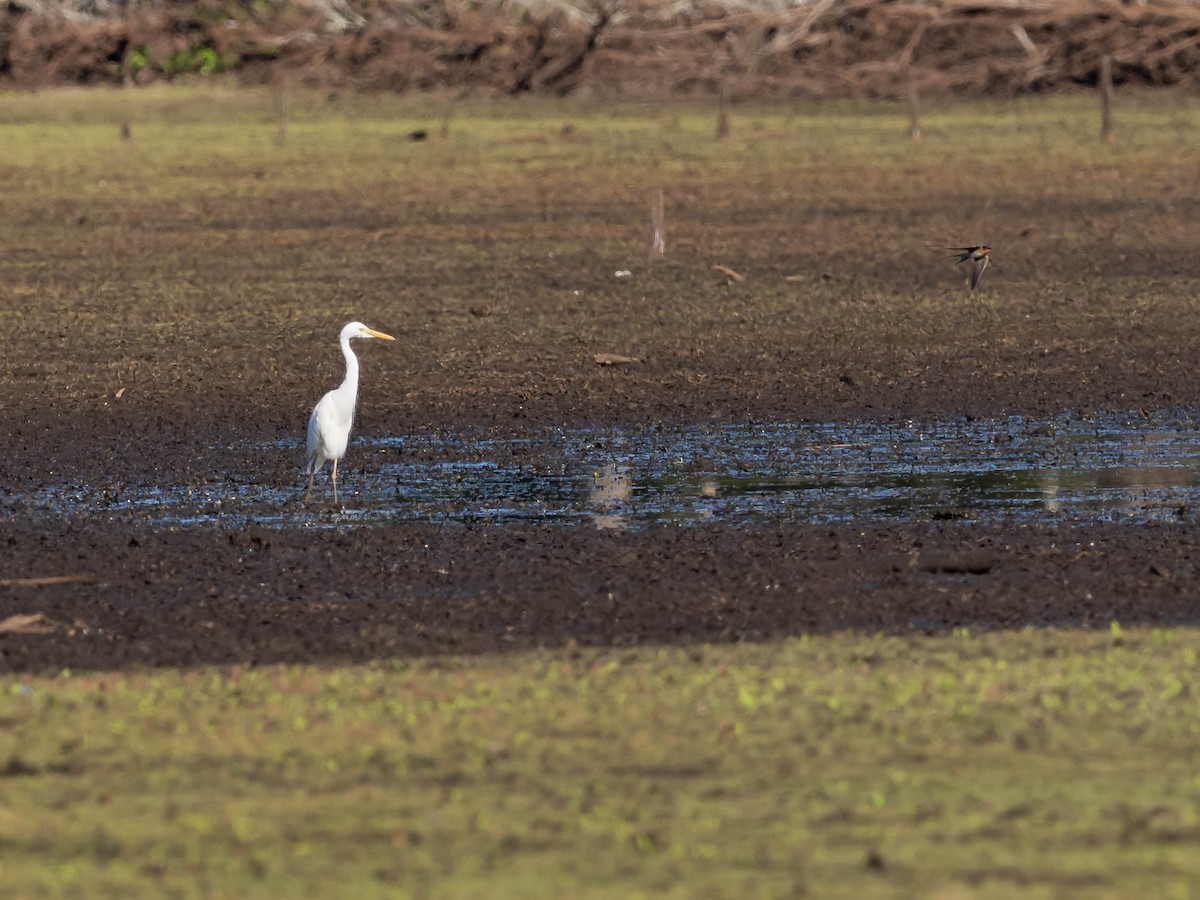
(371, 332)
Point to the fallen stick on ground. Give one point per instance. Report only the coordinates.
(26, 623)
(48, 579)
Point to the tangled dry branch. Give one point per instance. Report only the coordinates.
(635, 48)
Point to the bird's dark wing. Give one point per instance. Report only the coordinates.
(977, 267)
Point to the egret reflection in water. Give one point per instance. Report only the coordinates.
(609, 495)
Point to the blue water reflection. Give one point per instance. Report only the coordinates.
(1134, 466)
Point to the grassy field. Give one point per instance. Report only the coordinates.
(1039, 764)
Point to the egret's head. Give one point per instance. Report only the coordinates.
(359, 330)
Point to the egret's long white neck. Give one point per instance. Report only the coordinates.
(349, 385)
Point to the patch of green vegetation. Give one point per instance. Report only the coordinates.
(139, 58)
(1038, 763)
(201, 60)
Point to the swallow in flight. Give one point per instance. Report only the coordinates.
(978, 257)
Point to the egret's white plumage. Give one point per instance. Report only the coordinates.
(329, 424)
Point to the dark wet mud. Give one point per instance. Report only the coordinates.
(167, 596)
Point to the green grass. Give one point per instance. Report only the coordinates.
(220, 144)
(1039, 764)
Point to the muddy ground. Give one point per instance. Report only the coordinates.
(185, 597)
(111, 378)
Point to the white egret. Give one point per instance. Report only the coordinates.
(329, 424)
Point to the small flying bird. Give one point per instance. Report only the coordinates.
(978, 257)
(329, 424)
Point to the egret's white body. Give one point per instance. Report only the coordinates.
(329, 424)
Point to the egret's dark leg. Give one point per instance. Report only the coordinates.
(335, 481)
(308, 493)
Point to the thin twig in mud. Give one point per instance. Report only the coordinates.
(126, 129)
(658, 235)
(725, 270)
(1107, 133)
(281, 109)
(723, 113)
(48, 579)
(914, 109)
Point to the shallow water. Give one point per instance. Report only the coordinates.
(1134, 467)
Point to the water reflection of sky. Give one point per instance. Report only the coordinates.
(1142, 468)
